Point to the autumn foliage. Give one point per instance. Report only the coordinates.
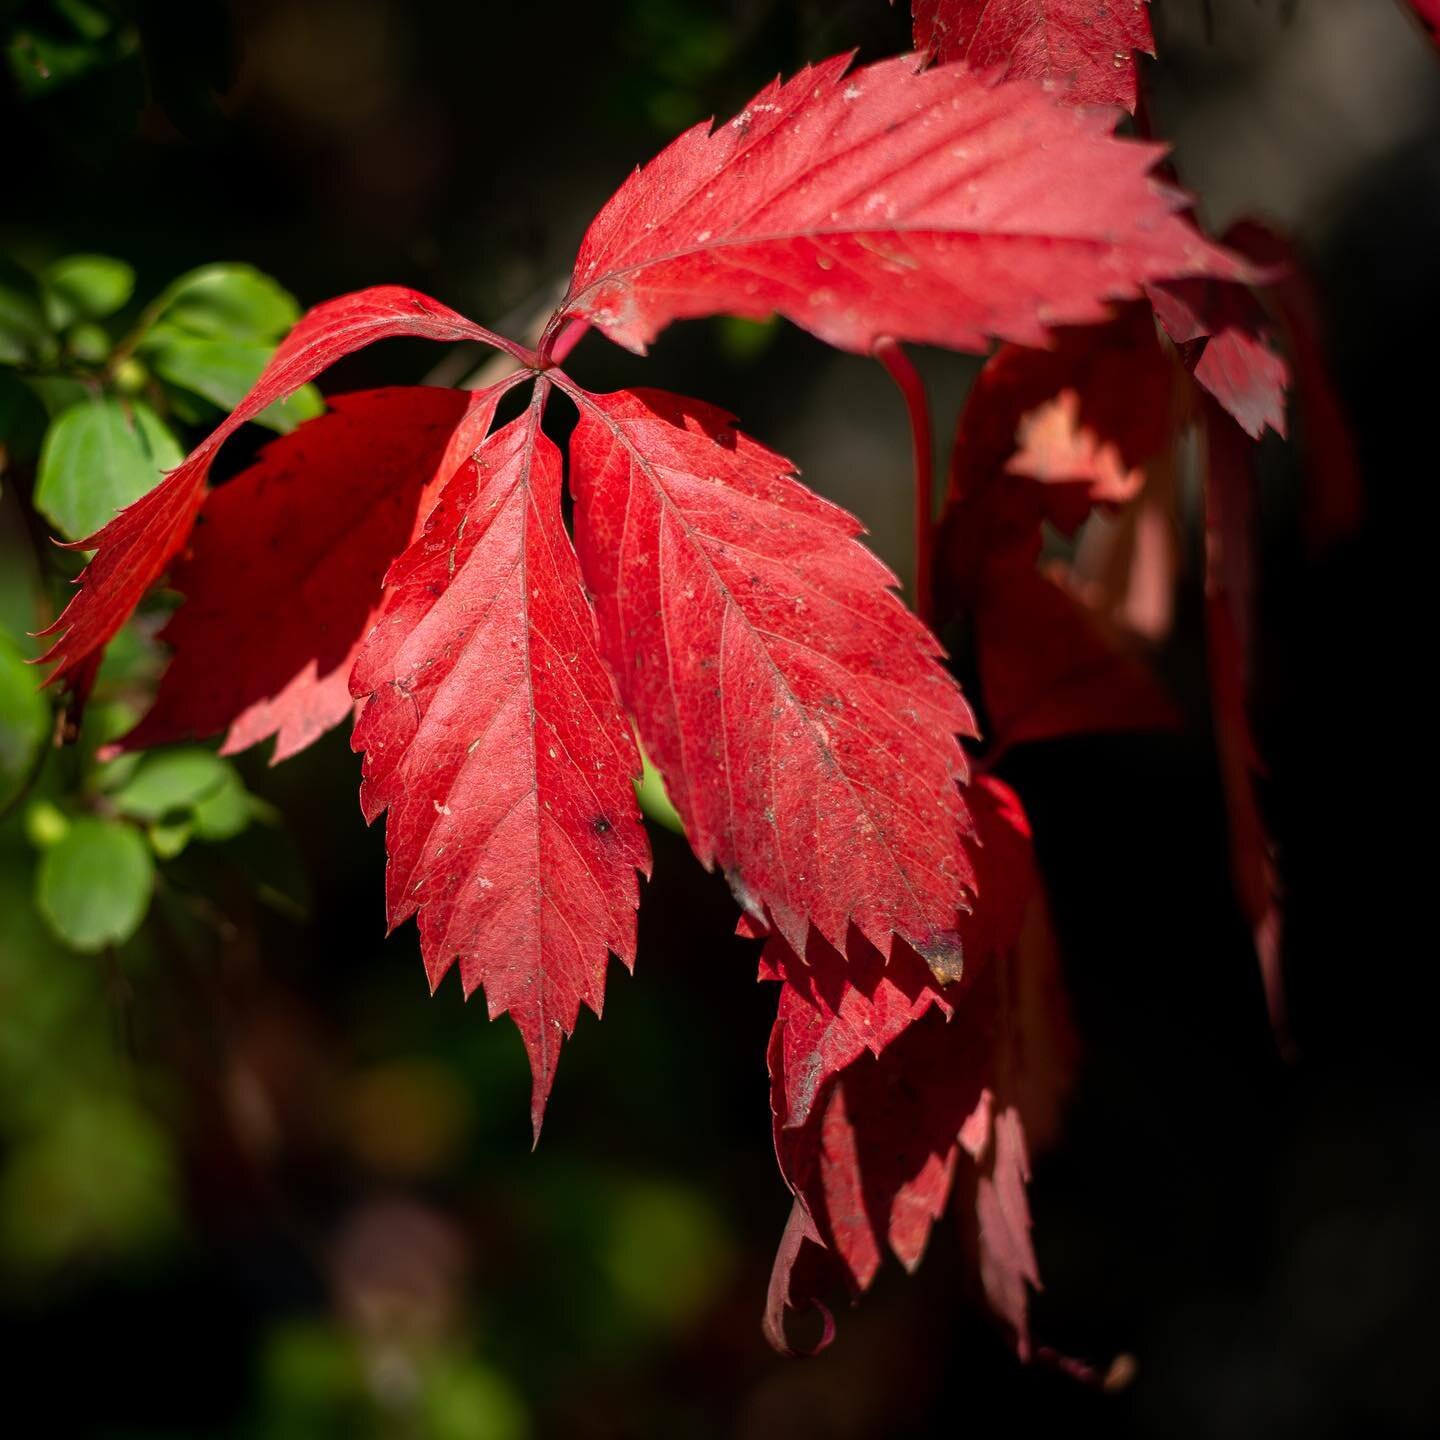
(402, 559)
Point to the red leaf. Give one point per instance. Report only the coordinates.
(1047, 667)
(796, 709)
(926, 206)
(1231, 524)
(1050, 669)
(282, 581)
(1225, 336)
(1055, 447)
(872, 1148)
(834, 1008)
(1084, 47)
(1008, 1268)
(492, 735)
(1334, 495)
(132, 551)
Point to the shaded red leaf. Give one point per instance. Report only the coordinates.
(492, 735)
(834, 1008)
(930, 206)
(872, 1153)
(1334, 498)
(1085, 48)
(1047, 667)
(1008, 1268)
(1231, 523)
(133, 550)
(796, 709)
(1055, 447)
(282, 580)
(1050, 668)
(1225, 337)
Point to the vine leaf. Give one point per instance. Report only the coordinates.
(932, 206)
(493, 738)
(798, 712)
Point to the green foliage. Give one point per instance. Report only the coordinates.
(93, 886)
(86, 287)
(99, 404)
(99, 456)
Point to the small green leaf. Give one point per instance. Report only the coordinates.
(97, 459)
(223, 371)
(88, 343)
(226, 811)
(93, 886)
(86, 287)
(171, 783)
(169, 838)
(655, 804)
(231, 302)
(46, 824)
(24, 719)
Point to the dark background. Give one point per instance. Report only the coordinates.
(357, 1239)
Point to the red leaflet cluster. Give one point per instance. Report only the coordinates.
(399, 555)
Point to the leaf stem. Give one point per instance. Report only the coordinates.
(917, 405)
(567, 340)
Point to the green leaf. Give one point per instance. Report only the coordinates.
(168, 838)
(230, 302)
(170, 783)
(24, 335)
(655, 803)
(46, 824)
(24, 719)
(86, 287)
(226, 811)
(223, 371)
(93, 886)
(97, 459)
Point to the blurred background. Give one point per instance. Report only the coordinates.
(255, 1181)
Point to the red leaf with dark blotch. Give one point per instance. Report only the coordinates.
(1084, 48)
(796, 709)
(929, 206)
(282, 581)
(132, 551)
(1226, 340)
(868, 1141)
(492, 734)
